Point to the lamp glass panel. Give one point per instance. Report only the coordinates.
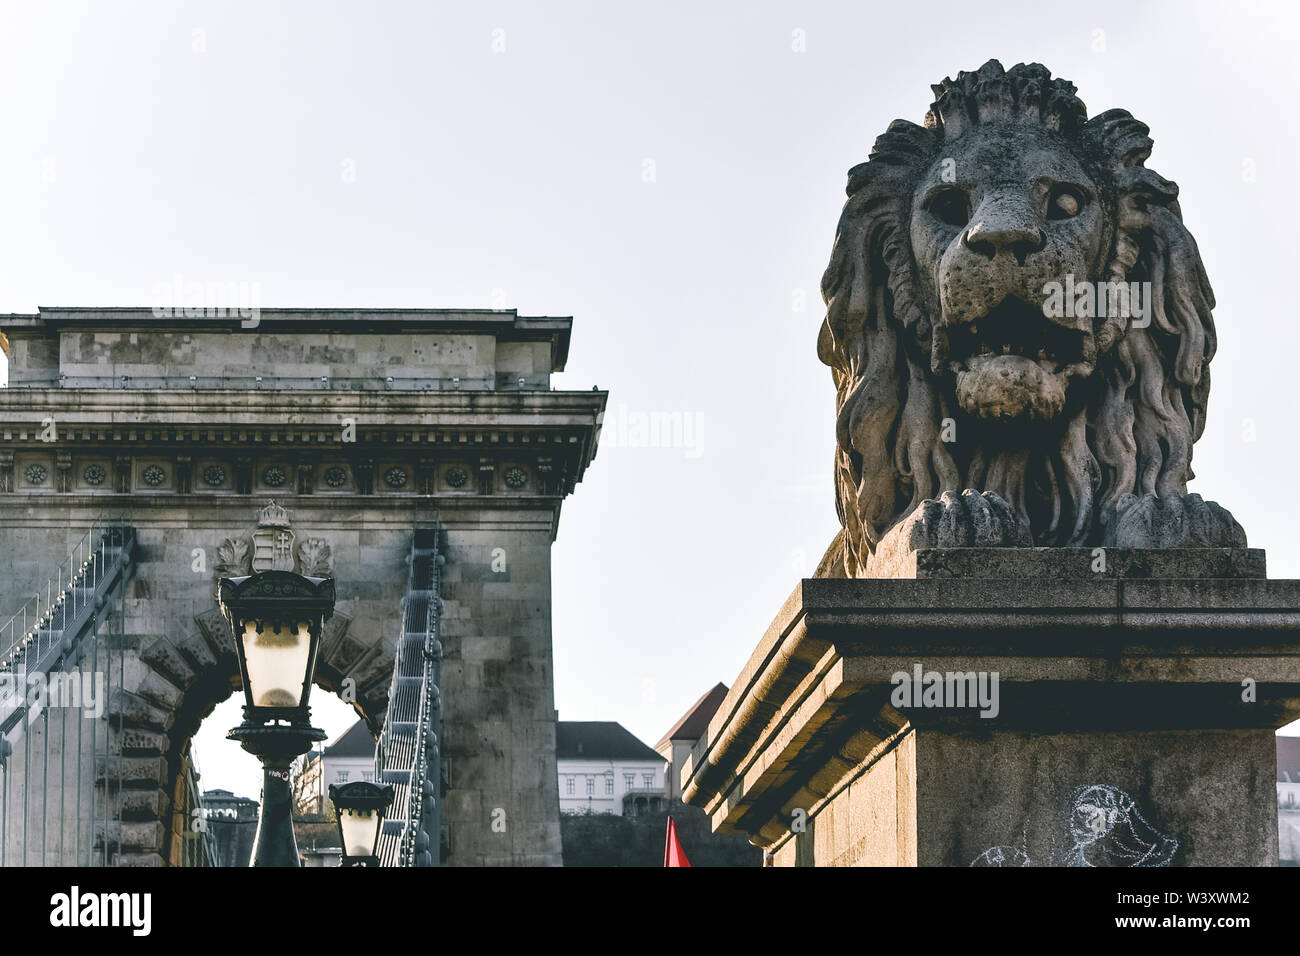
(277, 659)
(359, 830)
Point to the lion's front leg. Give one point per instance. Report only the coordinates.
(1171, 521)
(973, 519)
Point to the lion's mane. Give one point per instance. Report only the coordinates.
(1146, 399)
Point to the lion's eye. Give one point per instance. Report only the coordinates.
(1064, 203)
(949, 206)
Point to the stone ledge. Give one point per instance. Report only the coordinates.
(1081, 564)
(1115, 654)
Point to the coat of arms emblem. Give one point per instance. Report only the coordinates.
(273, 540)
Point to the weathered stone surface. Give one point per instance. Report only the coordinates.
(488, 459)
(138, 837)
(993, 331)
(1172, 521)
(132, 710)
(160, 691)
(134, 742)
(131, 772)
(197, 650)
(162, 656)
(1083, 564)
(1118, 696)
(140, 859)
(143, 804)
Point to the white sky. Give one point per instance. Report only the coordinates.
(516, 179)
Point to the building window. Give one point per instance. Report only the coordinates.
(609, 785)
(343, 776)
(591, 786)
(629, 781)
(568, 785)
(649, 779)
(368, 776)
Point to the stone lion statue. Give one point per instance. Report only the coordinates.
(1020, 331)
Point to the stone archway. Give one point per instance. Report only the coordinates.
(181, 683)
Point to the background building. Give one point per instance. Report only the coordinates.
(350, 757)
(675, 746)
(232, 821)
(603, 768)
(600, 756)
(1288, 801)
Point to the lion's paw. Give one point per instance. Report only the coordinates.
(973, 519)
(1171, 521)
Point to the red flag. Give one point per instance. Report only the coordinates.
(674, 855)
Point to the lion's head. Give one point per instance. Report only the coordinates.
(988, 319)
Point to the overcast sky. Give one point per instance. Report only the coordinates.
(669, 177)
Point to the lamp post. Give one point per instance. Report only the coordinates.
(360, 808)
(276, 617)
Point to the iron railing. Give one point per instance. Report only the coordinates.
(50, 662)
(409, 753)
(49, 623)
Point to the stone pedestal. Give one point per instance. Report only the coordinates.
(1130, 723)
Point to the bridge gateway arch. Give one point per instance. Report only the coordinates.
(420, 457)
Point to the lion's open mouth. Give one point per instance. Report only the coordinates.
(1014, 327)
(1014, 362)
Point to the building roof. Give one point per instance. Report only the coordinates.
(505, 324)
(695, 721)
(225, 796)
(598, 740)
(354, 742)
(1288, 759)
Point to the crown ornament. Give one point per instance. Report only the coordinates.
(273, 516)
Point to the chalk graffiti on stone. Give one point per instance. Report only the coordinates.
(1108, 829)
(1102, 827)
(1002, 856)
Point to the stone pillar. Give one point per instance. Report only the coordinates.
(1050, 715)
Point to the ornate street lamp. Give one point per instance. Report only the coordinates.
(360, 808)
(276, 617)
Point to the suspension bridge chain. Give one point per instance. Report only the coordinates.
(409, 753)
(54, 656)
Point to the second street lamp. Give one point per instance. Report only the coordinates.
(276, 618)
(360, 808)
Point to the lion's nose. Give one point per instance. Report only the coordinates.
(991, 241)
